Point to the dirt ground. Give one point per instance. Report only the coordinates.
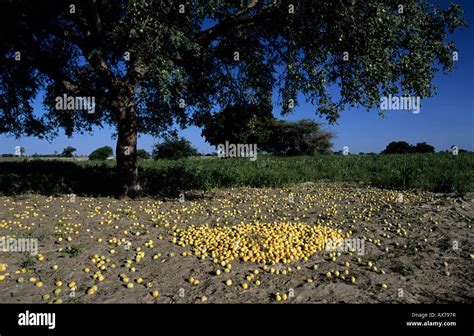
(417, 248)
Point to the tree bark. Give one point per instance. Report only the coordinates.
(126, 150)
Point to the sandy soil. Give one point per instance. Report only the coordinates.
(419, 246)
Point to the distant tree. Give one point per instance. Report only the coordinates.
(68, 151)
(423, 147)
(303, 137)
(101, 153)
(174, 148)
(402, 147)
(397, 147)
(143, 154)
(8, 155)
(241, 123)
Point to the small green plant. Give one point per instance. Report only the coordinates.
(28, 263)
(73, 250)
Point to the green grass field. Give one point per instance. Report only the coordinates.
(440, 172)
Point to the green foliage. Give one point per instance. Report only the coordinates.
(73, 250)
(174, 148)
(101, 154)
(28, 262)
(143, 154)
(68, 151)
(239, 124)
(303, 137)
(438, 172)
(402, 147)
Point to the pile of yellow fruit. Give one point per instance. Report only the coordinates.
(258, 242)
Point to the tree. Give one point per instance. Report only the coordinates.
(143, 154)
(423, 147)
(174, 148)
(402, 147)
(239, 124)
(145, 65)
(397, 147)
(68, 151)
(101, 153)
(303, 137)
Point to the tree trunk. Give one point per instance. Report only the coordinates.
(126, 151)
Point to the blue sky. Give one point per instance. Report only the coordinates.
(445, 119)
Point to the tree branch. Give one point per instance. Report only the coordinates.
(205, 37)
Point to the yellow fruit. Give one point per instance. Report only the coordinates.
(228, 282)
(155, 294)
(218, 272)
(39, 284)
(33, 279)
(130, 285)
(245, 285)
(203, 298)
(328, 275)
(257, 282)
(353, 279)
(21, 280)
(91, 291)
(384, 285)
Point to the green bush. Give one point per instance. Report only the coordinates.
(101, 154)
(174, 148)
